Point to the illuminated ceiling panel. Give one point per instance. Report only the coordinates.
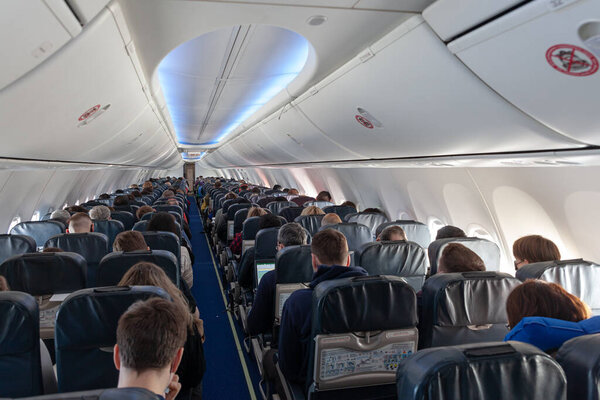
(214, 82)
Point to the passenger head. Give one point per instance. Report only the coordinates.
(121, 201)
(163, 221)
(130, 241)
(277, 187)
(136, 194)
(450, 231)
(218, 184)
(150, 339)
(256, 212)
(148, 186)
(349, 204)
(329, 247)
(255, 190)
(312, 210)
(143, 210)
(80, 223)
(60, 215)
(52, 250)
(331, 219)
(291, 234)
(293, 192)
(104, 196)
(537, 298)
(269, 221)
(323, 196)
(168, 193)
(532, 249)
(119, 191)
(4, 284)
(100, 213)
(373, 210)
(392, 232)
(459, 258)
(146, 192)
(230, 196)
(76, 209)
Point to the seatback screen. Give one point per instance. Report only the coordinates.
(262, 268)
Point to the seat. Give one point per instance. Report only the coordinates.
(110, 228)
(290, 213)
(92, 246)
(301, 200)
(465, 307)
(320, 204)
(341, 211)
(40, 231)
(231, 212)
(265, 250)
(578, 277)
(167, 208)
(488, 251)
(148, 216)
(276, 206)
(372, 220)
(580, 359)
(101, 394)
(362, 328)
(127, 218)
(164, 241)
(415, 231)
(238, 220)
(293, 266)
(114, 265)
(356, 234)
(140, 226)
(263, 201)
(483, 371)
(398, 258)
(85, 334)
(11, 245)
(312, 223)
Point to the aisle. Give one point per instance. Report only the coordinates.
(227, 376)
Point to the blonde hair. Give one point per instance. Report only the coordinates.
(312, 210)
(256, 212)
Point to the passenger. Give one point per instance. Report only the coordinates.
(533, 249)
(193, 364)
(165, 222)
(80, 223)
(459, 258)
(4, 287)
(349, 204)
(150, 339)
(76, 209)
(168, 194)
(330, 219)
(143, 210)
(104, 196)
(119, 191)
(450, 231)
(392, 233)
(100, 213)
(324, 196)
(148, 186)
(293, 192)
(130, 241)
(246, 270)
(60, 216)
(330, 260)
(52, 250)
(374, 210)
(121, 201)
(277, 188)
(236, 244)
(312, 210)
(262, 315)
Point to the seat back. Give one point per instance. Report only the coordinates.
(40, 231)
(140, 226)
(312, 223)
(400, 258)
(114, 265)
(487, 250)
(86, 331)
(466, 307)
(249, 230)
(290, 213)
(341, 211)
(167, 208)
(11, 245)
(276, 206)
(356, 234)
(362, 328)
(164, 241)
(110, 228)
(301, 200)
(483, 371)
(92, 246)
(101, 394)
(372, 220)
(127, 218)
(20, 366)
(415, 231)
(238, 220)
(294, 271)
(231, 212)
(148, 216)
(580, 359)
(578, 277)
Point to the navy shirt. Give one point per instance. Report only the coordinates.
(262, 314)
(296, 319)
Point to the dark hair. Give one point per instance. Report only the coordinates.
(77, 209)
(276, 187)
(389, 231)
(373, 210)
(143, 210)
(459, 258)
(269, 221)
(450, 231)
(348, 203)
(104, 196)
(255, 190)
(323, 196)
(129, 241)
(330, 247)
(163, 221)
(52, 250)
(292, 234)
(119, 191)
(537, 298)
(136, 193)
(121, 201)
(150, 333)
(535, 248)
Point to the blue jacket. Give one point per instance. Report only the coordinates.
(262, 314)
(295, 330)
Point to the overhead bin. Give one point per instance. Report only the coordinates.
(543, 58)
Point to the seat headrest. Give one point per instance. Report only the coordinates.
(293, 264)
(415, 231)
(239, 218)
(487, 250)
(312, 223)
(266, 243)
(363, 303)
(234, 208)
(580, 359)
(250, 228)
(114, 265)
(400, 258)
(45, 273)
(341, 211)
(20, 323)
(290, 213)
(40, 231)
(141, 226)
(11, 245)
(92, 245)
(356, 234)
(483, 371)
(372, 220)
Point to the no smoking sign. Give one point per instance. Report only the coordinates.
(572, 60)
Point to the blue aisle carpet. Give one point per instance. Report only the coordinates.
(224, 377)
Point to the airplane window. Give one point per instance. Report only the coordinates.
(35, 216)
(434, 224)
(14, 222)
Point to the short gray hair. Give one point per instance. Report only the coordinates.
(60, 215)
(292, 234)
(100, 213)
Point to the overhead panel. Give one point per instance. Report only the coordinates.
(544, 58)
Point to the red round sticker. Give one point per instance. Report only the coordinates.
(363, 121)
(89, 112)
(572, 60)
